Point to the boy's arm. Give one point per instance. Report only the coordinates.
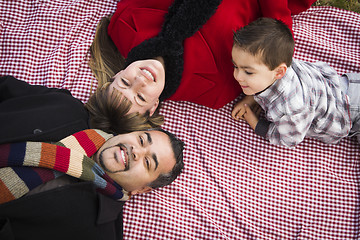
(249, 110)
(250, 117)
(289, 131)
(260, 126)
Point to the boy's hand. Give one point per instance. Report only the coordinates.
(239, 108)
(248, 110)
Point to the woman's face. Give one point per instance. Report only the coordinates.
(141, 83)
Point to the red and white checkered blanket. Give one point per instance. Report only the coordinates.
(235, 184)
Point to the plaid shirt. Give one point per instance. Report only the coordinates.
(307, 102)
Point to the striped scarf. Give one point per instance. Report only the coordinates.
(26, 165)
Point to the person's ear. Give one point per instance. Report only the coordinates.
(280, 71)
(145, 189)
(154, 107)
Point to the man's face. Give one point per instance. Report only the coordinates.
(136, 159)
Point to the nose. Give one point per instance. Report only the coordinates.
(238, 76)
(140, 81)
(139, 152)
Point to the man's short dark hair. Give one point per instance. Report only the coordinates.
(178, 148)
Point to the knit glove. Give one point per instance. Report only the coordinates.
(185, 17)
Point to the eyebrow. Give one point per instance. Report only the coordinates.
(155, 160)
(243, 67)
(137, 102)
(148, 135)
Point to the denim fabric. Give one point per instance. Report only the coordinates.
(351, 83)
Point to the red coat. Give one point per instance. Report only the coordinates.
(208, 71)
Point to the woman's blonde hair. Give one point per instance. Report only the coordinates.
(105, 59)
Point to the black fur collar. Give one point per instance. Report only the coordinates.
(185, 17)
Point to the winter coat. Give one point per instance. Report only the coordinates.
(38, 113)
(195, 39)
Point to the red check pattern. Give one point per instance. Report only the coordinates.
(235, 184)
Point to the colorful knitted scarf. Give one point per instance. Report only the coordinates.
(26, 165)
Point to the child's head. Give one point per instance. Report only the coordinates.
(261, 53)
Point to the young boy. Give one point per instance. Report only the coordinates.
(300, 99)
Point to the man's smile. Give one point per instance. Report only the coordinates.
(121, 156)
(119, 160)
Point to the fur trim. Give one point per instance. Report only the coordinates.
(185, 17)
(173, 58)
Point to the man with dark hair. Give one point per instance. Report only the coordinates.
(48, 190)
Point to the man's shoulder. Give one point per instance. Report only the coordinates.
(59, 210)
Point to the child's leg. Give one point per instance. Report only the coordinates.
(354, 95)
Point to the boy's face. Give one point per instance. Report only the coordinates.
(252, 75)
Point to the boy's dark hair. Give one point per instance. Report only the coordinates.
(178, 148)
(269, 39)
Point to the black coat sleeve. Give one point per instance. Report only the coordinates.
(38, 113)
(11, 87)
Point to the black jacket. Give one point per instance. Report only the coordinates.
(71, 212)
(38, 113)
(75, 211)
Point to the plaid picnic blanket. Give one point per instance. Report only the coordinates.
(235, 184)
